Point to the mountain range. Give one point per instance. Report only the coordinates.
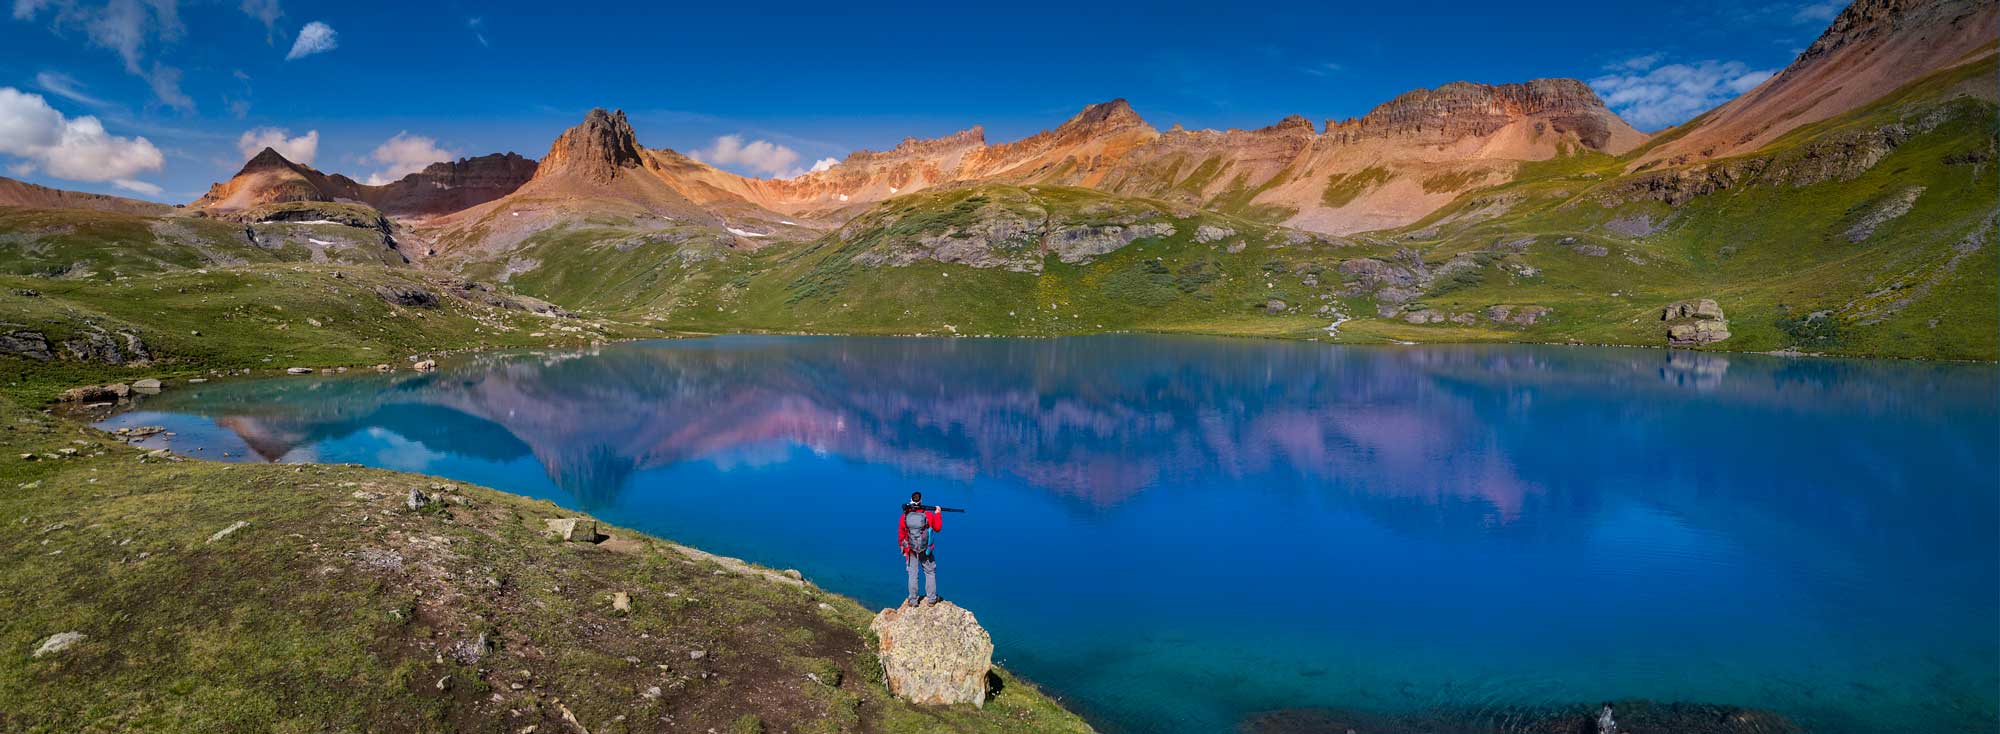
(1845, 205)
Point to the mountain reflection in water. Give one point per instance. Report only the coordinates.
(1518, 524)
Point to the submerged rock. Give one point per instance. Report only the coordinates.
(936, 654)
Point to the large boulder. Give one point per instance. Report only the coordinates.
(935, 654)
(1694, 323)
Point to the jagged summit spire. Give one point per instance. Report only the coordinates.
(595, 149)
(266, 159)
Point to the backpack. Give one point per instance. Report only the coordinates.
(920, 536)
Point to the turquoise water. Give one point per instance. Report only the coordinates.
(1175, 533)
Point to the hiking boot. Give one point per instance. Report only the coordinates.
(913, 602)
(932, 601)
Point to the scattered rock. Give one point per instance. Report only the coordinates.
(1210, 233)
(1517, 315)
(298, 370)
(935, 654)
(417, 500)
(95, 393)
(228, 531)
(621, 602)
(407, 295)
(573, 529)
(1591, 250)
(58, 642)
(29, 344)
(470, 652)
(146, 384)
(1275, 306)
(425, 366)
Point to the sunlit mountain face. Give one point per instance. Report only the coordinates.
(1272, 521)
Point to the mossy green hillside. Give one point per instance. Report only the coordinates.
(266, 317)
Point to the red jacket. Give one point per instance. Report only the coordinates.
(903, 530)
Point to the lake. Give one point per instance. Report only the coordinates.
(1174, 533)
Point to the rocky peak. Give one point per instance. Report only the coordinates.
(596, 149)
(1866, 19)
(1112, 115)
(268, 159)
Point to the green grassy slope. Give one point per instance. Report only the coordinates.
(1785, 247)
(265, 317)
(336, 608)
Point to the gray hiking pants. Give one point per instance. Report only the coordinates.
(929, 564)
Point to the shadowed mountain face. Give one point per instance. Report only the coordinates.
(1675, 526)
(441, 188)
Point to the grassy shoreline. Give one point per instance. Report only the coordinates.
(337, 607)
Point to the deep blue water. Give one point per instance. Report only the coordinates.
(1174, 533)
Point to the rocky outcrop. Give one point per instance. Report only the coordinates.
(1694, 323)
(933, 654)
(598, 150)
(1463, 109)
(407, 295)
(23, 343)
(98, 345)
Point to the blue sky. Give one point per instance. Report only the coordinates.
(159, 98)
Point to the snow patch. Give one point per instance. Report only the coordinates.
(321, 243)
(843, 197)
(741, 233)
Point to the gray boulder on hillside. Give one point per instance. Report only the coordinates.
(1694, 323)
(936, 654)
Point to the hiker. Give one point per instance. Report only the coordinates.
(913, 533)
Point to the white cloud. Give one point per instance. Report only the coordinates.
(1638, 63)
(125, 27)
(77, 149)
(166, 83)
(757, 156)
(65, 86)
(139, 186)
(1658, 97)
(1324, 69)
(265, 11)
(1818, 13)
(478, 26)
(823, 164)
(301, 149)
(403, 155)
(316, 37)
